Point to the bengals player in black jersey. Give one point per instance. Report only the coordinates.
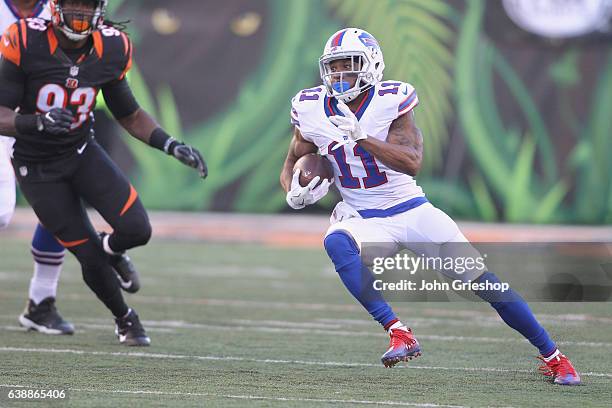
(51, 73)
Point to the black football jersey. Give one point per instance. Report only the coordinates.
(53, 80)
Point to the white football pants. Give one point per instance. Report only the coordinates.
(7, 182)
(423, 230)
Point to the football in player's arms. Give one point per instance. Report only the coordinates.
(313, 166)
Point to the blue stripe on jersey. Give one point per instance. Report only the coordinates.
(407, 102)
(396, 209)
(330, 105)
(365, 103)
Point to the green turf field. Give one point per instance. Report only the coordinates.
(239, 325)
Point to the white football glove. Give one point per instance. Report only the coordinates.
(299, 197)
(348, 123)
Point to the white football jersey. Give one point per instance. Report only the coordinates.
(364, 182)
(8, 15)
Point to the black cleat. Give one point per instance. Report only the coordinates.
(44, 318)
(130, 332)
(126, 272)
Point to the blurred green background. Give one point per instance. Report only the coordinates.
(517, 128)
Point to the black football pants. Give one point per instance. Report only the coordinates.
(55, 191)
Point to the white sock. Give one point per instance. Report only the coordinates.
(553, 355)
(398, 325)
(107, 247)
(44, 282)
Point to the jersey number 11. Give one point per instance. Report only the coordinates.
(374, 176)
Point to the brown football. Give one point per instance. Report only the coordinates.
(312, 165)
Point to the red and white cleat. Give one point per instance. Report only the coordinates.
(403, 346)
(560, 369)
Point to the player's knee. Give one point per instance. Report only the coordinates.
(136, 231)
(5, 219)
(142, 234)
(340, 246)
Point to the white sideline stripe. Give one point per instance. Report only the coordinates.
(451, 313)
(249, 397)
(13, 328)
(257, 304)
(86, 326)
(428, 317)
(265, 361)
(256, 326)
(293, 330)
(110, 327)
(414, 322)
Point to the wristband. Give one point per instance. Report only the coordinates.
(161, 140)
(28, 124)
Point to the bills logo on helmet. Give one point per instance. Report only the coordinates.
(368, 40)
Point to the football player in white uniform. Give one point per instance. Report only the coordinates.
(41, 313)
(366, 128)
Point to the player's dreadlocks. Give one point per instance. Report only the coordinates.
(119, 25)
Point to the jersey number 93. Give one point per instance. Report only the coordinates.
(53, 96)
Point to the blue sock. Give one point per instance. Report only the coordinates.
(357, 278)
(516, 313)
(43, 241)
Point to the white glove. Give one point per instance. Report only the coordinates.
(348, 123)
(299, 197)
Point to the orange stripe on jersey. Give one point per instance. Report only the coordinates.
(9, 46)
(24, 34)
(98, 43)
(130, 201)
(52, 41)
(128, 66)
(72, 244)
(126, 43)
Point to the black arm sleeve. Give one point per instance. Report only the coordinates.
(12, 80)
(119, 99)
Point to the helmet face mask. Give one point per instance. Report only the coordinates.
(78, 19)
(366, 64)
(345, 84)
